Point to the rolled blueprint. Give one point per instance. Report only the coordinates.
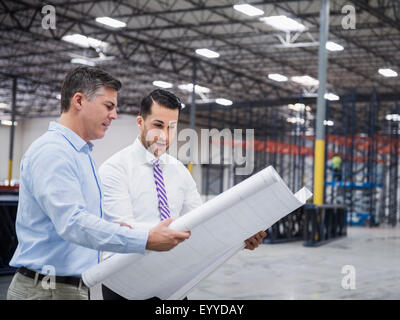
(237, 193)
(218, 230)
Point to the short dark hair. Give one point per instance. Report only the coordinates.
(162, 97)
(86, 80)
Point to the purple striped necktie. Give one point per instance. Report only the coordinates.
(161, 193)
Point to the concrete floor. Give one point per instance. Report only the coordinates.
(292, 271)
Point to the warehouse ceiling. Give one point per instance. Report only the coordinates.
(160, 40)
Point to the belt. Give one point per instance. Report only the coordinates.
(76, 281)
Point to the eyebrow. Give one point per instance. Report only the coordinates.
(160, 121)
(112, 103)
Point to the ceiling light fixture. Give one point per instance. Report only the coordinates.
(387, 72)
(111, 22)
(224, 102)
(277, 77)
(305, 81)
(197, 89)
(83, 41)
(331, 96)
(207, 53)
(162, 84)
(333, 46)
(248, 9)
(284, 23)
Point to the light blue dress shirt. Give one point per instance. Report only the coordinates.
(59, 220)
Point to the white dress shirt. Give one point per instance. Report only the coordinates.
(129, 188)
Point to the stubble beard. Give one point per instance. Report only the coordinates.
(151, 146)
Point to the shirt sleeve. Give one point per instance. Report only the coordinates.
(56, 187)
(192, 196)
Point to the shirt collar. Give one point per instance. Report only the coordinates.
(74, 139)
(144, 156)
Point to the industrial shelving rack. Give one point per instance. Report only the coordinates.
(369, 151)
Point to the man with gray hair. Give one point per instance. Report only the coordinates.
(59, 219)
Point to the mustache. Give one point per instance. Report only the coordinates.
(156, 140)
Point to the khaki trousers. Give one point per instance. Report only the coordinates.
(25, 288)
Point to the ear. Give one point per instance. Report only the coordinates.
(139, 121)
(76, 100)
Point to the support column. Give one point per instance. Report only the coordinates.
(12, 130)
(193, 119)
(319, 158)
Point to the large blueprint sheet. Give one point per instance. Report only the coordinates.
(218, 230)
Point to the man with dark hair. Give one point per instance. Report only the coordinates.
(165, 100)
(143, 184)
(59, 220)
